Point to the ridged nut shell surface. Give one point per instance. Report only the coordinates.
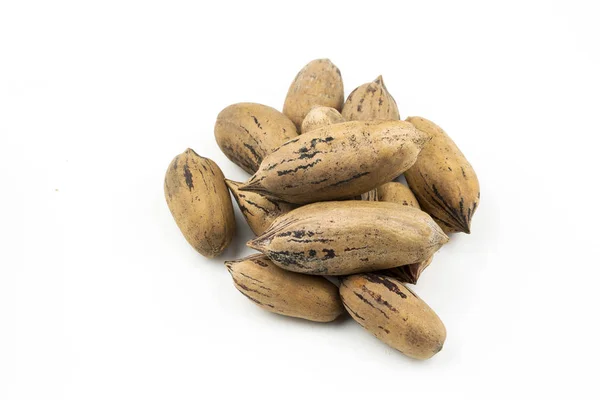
(338, 161)
(247, 132)
(347, 237)
(200, 203)
(394, 314)
(283, 292)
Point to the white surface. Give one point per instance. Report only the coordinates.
(102, 298)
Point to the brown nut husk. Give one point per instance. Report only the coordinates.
(338, 161)
(319, 83)
(408, 273)
(347, 237)
(443, 180)
(370, 102)
(319, 117)
(283, 292)
(258, 210)
(247, 132)
(394, 314)
(200, 203)
(396, 192)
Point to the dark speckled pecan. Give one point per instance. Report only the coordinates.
(394, 314)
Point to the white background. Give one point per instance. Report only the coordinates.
(102, 298)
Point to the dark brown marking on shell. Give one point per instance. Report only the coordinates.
(271, 167)
(319, 240)
(298, 234)
(290, 171)
(288, 257)
(391, 286)
(256, 301)
(459, 219)
(252, 279)
(257, 206)
(309, 155)
(290, 142)
(313, 143)
(276, 204)
(260, 262)
(355, 248)
(242, 162)
(364, 300)
(246, 288)
(254, 153)
(351, 311)
(256, 122)
(329, 253)
(237, 197)
(405, 273)
(458, 216)
(350, 179)
(378, 299)
(189, 181)
(361, 297)
(317, 182)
